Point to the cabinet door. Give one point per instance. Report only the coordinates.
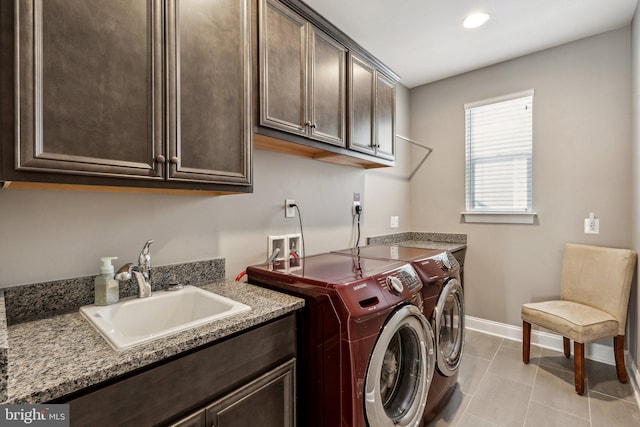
(194, 420)
(89, 87)
(269, 401)
(361, 105)
(385, 122)
(327, 88)
(209, 90)
(283, 68)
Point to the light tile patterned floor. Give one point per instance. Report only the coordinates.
(496, 389)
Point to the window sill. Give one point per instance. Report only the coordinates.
(500, 217)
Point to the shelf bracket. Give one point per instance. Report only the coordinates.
(417, 144)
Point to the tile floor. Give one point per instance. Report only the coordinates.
(496, 389)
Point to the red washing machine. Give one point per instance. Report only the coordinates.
(365, 350)
(443, 305)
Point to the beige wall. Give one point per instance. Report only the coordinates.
(49, 235)
(581, 164)
(634, 317)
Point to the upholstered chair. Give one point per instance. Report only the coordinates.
(594, 295)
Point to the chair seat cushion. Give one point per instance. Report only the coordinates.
(573, 320)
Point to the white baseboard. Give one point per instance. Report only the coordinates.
(594, 351)
(634, 376)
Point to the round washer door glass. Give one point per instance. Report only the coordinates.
(400, 370)
(449, 327)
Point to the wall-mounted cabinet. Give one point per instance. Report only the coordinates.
(302, 76)
(303, 82)
(362, 95)
(89, 86)
(209, 127)
(385, 121)
(371, 106)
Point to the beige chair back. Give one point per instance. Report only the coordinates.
(599, 277)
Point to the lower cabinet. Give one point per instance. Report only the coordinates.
(245, 380)
(268, 401)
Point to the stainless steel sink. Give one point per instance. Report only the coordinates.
(134, 321)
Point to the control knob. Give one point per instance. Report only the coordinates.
(446, 262)
(395, 285)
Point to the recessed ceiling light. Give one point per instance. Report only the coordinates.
(475, 20)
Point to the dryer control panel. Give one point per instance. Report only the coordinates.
(381, 291)
(401, 279)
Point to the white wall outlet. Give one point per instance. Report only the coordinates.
(394, 222)
(592, 224)
(289, 211)
(356, 207)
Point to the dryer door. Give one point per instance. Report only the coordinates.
(400, 370)
(449, 327)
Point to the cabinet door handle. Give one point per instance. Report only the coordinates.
(313, 126)
(160, 158)
(308, 123)
(174, 160)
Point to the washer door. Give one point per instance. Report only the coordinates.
(400, 370)
(449, 327)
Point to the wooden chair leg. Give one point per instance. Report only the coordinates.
(578, 366)
(567, 346)
(526, 341)
(618, 350)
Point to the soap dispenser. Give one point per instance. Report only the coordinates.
(107, 289)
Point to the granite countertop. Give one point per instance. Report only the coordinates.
(55, 356)
(444, 241)
(427, 244)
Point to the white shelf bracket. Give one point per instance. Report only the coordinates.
(417, 144)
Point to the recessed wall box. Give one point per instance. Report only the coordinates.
(294, 244)
(277, 242)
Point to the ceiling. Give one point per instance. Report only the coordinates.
(424, 41)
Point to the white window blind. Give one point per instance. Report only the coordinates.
(499, 140)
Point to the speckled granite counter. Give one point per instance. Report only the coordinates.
(51, 357)
(426, 244)
(444, 241)
(4, 349)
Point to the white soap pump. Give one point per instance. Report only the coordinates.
(107, 289)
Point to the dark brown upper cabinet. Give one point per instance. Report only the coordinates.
(372, 105)
(322, 96)
(302, 76)
(362, 93)
(385, 122)
(89, 87)
(209, 90)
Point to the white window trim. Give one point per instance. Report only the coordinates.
(499, 217)
(497, 99)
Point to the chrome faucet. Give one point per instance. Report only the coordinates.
(142, 271)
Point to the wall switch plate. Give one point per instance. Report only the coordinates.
(289, 211)
(394, 222)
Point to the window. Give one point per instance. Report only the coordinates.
(498, 139)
